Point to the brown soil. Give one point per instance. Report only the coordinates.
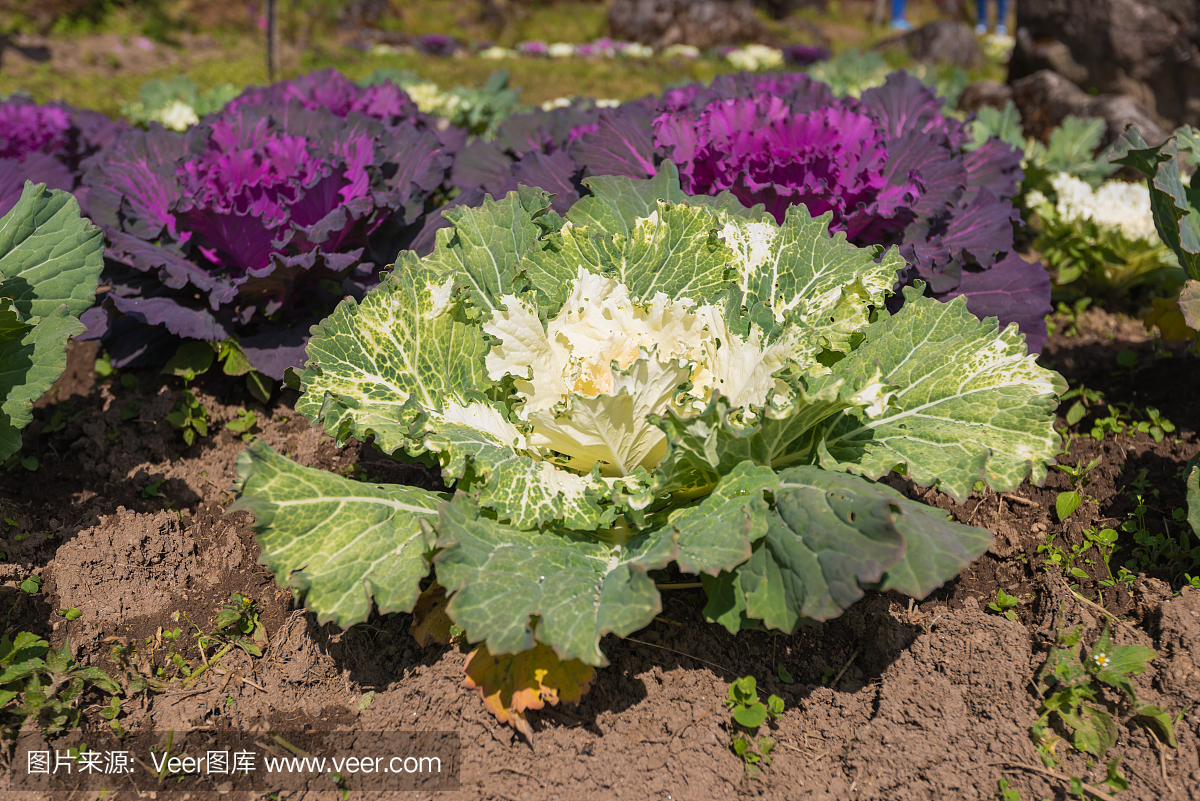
(895, 700)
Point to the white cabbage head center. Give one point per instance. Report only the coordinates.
(592, 375)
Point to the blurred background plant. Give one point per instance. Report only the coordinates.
(176, 102)
(1095, 232)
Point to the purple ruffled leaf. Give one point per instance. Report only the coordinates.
(180, 320)
(481, 164)
(273, 352)
(927, 160)
(132, 185)
(905, 104)
(173, 269)
(264, 211)
(1013, 290)
(996, 167)
(554, 173)
(621, 145)
(41, 168)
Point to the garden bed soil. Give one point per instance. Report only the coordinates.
(895, 700)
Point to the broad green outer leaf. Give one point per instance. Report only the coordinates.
(675, 251)
(715, 534)
(484, 245)
(339, 543)
(522, 491)
(32, 356)
(829, 536)
(1071, 150)
(616, 202)
(1003, 124)
(1177, 222)
(936, 549)
(49, 255)
(579, 590)
(1189, 303)
(971, 403)
(1193, 495)
(367, 360)
(820, 283)
(50, 261)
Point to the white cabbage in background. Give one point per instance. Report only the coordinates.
(1116, 204)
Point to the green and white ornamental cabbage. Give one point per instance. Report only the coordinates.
(656, 382)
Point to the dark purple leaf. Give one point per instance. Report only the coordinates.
(1013, 290)
(554, 173)
(180, 320)
(132, 185)
(622, 145)
(41, 168)
(996, 167)
(272, 352)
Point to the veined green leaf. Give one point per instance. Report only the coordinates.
(715, 534)
(1178, 223)
(617, 202)
(820, 283)
(972, 403)
(339, 543)
(523, 491)
(675, 251)
(484, 245)
(577, 589)
(32, 356)
(828, 537)
(50, 261)
(49, 255)
(404, 341)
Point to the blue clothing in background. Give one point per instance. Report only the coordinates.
(899, 21)
(982, 17)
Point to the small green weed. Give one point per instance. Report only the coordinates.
(190, 417)
(1004, 604)
(243, 424)
(749, 713)
(1071, 684)
(1067, 502)
(1156, 550)
(39, 682)
(239, 618)
(1067, 317)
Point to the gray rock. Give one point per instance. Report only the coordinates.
(984, 93)
(1046, 98)
(701, 23)
(1146, 49)
(941, 41)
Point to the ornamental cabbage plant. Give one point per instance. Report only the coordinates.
(46, 144)
(250, 227)
(50, 260)
(1102, 242)
(889, 165)
(656, 382)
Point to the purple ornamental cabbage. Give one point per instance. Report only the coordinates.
(436, 44)
(252, 226)
(45, 144)
(530, 149)
(330, 90)
(888, 166)
(533, 48)
(799, 55)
